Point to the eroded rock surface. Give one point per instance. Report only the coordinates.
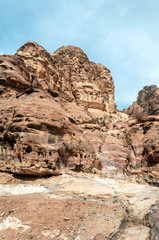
(147, 102)
(77, 206)
(91, 83)
(152, 221)
(37, 137)
(58, 111)
(40, 100)
(14, 76)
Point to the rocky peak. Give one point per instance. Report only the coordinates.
(70, 54)
(68, 73)
(148, 99)
(91, 83)
(147, 102)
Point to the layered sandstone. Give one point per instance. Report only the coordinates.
(14, 76)
(143, 136)
(58, 111)
(91, 83)
(38, 135)
(147, 103)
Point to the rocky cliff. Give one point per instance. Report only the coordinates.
(147, 103)
(58, 111)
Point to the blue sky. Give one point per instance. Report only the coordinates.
(123, 35)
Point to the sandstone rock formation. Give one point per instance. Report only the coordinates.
(58, 111)
(143, 137)
(38, 136)
(14, 76)
(147, 103)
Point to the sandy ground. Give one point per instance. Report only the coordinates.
(40, 217)
(71, 206)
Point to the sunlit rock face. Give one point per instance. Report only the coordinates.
(58, 111)
(69, 74)
(147, 102)
(91, 83)
(14, 76)
(38, 135)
